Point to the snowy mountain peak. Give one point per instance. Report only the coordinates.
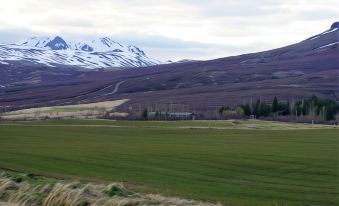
(109, 42)
(104, 44)
(57, 44)
(36, 41)
(136, 50)
(98, 53)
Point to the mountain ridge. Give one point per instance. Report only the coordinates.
(95, 54)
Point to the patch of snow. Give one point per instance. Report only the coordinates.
(316, 37)
(1, 62)
(325, 32)
(328, 45)
(245, 61)
(329, 31)
(290, 85)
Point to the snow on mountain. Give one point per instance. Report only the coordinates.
(334, 27)
(325, 32)
(329, 45)
(98, 53)
(36, 42)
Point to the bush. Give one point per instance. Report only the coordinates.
(144, 114)
(116, 190)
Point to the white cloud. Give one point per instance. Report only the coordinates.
(204, 28)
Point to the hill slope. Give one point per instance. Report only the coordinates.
(292, 72)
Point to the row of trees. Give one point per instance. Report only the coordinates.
(261, 108)
(324, 109)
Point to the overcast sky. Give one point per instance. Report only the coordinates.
(172, 29)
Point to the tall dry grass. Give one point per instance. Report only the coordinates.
(27, 190)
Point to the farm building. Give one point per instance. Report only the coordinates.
(175, 115)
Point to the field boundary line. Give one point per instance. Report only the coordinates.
(165, 127)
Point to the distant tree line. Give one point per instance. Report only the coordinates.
(324, 109)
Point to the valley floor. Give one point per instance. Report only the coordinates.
(232, 162)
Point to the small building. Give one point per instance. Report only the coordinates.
(175, 115)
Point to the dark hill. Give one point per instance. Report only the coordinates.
(292, 72)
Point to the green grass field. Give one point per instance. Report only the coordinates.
(222, 124)
(238, 166)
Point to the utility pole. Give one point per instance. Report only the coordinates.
(216, 112)
(302, 107)
(171, 107)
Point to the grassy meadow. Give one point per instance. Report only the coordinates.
(90, 110)
(235, 163)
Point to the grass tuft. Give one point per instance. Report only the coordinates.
(50, 192)
(117, 190)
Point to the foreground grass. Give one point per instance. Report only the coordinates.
(235, 167)
(30, 190)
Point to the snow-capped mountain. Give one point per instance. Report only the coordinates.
(98, 53)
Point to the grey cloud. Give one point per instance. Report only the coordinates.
(8, 36)
(239, 8)
(68, 21)
(319, 14)
(158, 41)
(165, 48)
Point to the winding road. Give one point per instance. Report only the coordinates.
(116, 88)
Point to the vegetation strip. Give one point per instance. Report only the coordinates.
(204, 124)
(235, 167)
(31, 190)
